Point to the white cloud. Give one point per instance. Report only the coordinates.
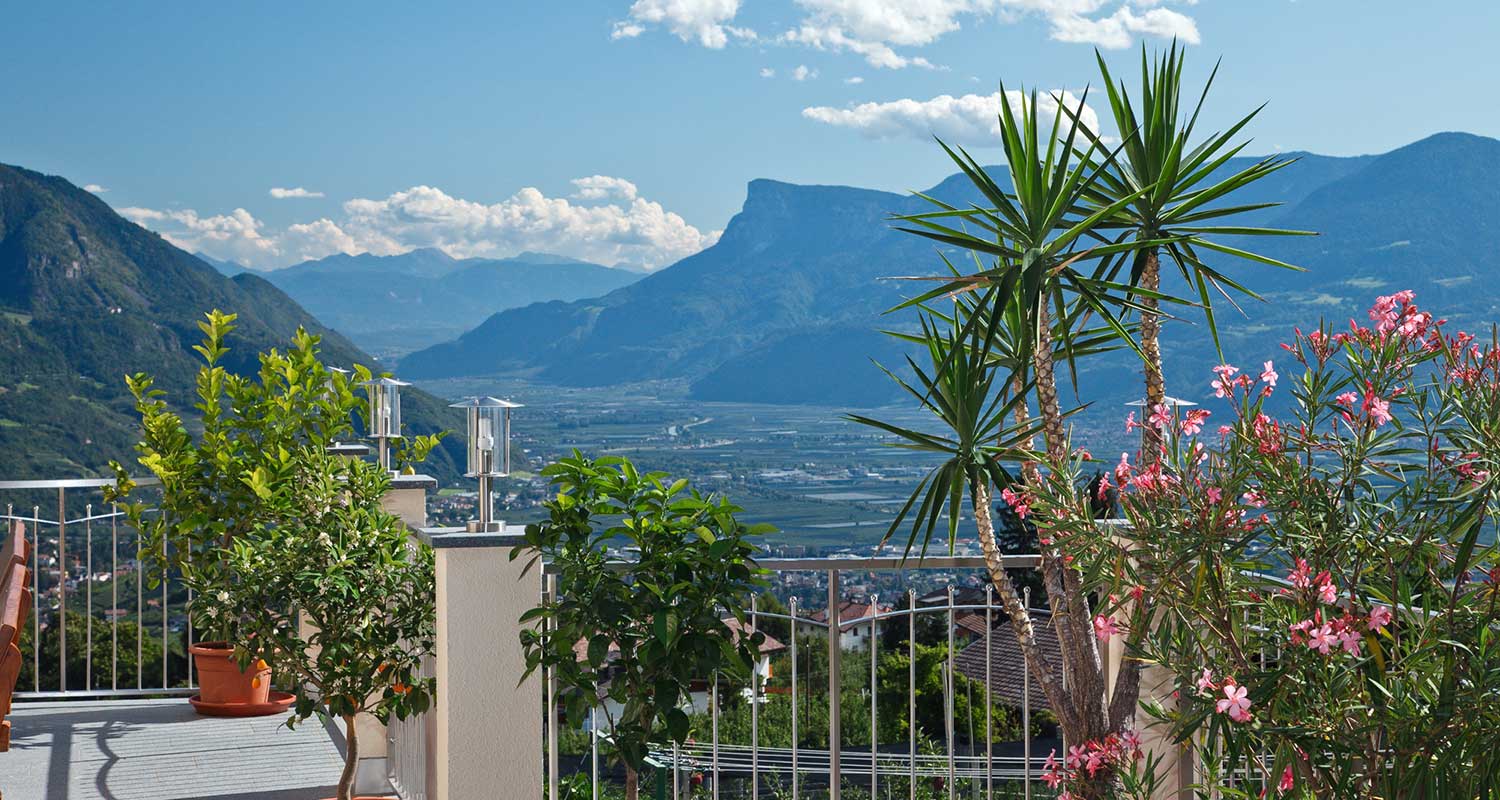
(969, 120)
(316, 239)
(767, 72)
(605, 220)
(875, 29)
(802, 73)
(703, 21)
(601, 187)
(284, 194)
(235, 236)
(626, 30)
(878, 54)
(1116, 30)
(854, 81)
(95, 188)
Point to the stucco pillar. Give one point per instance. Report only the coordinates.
(488, 740)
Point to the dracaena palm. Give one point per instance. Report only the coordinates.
(1180, 202)
(1034, 238)
(1035, 268)
(975, 382)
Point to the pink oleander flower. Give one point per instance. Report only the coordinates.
(1253, 497)
(1225, 430)
(1193, 421)
(1161, 417)
(1299, 630)
(1215, 494)
(1350, 639)
(1130, 423)
(1327, 593)
(1268, 376)
(1377, 408)
(1105, 628)
(1052, 771)
(1206, 681)
(1223, 385)
(1235, 702)
(1380, 616)
(1288, 781)
(1301, 575)
(1346, 399)
(1322, 639)
(1017, 501)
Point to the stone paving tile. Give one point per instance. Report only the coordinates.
(161, 750)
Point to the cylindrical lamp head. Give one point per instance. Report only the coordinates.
(385, 407)
(489, 435)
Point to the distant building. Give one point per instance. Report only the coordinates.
(853, 634)
(1007, 665)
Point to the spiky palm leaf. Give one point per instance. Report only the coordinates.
(1034, 234)
(1174, 193)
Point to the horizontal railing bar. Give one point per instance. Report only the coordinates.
(72, 483)
(105, 694)
(889, 563)
(873, 564)
(849, 622)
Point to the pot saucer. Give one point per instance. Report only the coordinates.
(279, 702)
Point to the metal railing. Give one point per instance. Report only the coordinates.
(885, 768)
(88, 581)
(410, 745)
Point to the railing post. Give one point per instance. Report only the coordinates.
(835, 654)
(489, 736)
(407, 499)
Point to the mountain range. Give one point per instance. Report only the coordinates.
(87, 297)
(787, 305)
(391, 305)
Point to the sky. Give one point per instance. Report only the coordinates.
(625, 131)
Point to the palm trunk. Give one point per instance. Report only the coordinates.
(351, 760)
(1015, 609)
(632, 783)
(1080, 652)
(1156, 384)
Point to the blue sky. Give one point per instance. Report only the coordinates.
(624, 131)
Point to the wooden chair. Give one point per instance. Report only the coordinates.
(15, 607)
(14, 549)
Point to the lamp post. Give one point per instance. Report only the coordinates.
(488, 451)
(385, 414)
(331, 391)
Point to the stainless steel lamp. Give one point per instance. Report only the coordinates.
(488, 451)
(385, 414)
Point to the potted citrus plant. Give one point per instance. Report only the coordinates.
(219, 476)
(339, 597)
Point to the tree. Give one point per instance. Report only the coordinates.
(1034, 295)
(337, 595)
(217, 488)
(1369, 669)
(1177, 202)
(650, 626)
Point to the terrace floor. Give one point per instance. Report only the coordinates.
(161, 750)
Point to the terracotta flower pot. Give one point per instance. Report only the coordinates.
(222, 682)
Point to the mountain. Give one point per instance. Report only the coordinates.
(230, 268)
(787, 305)
(395, 304)
(87, 297)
